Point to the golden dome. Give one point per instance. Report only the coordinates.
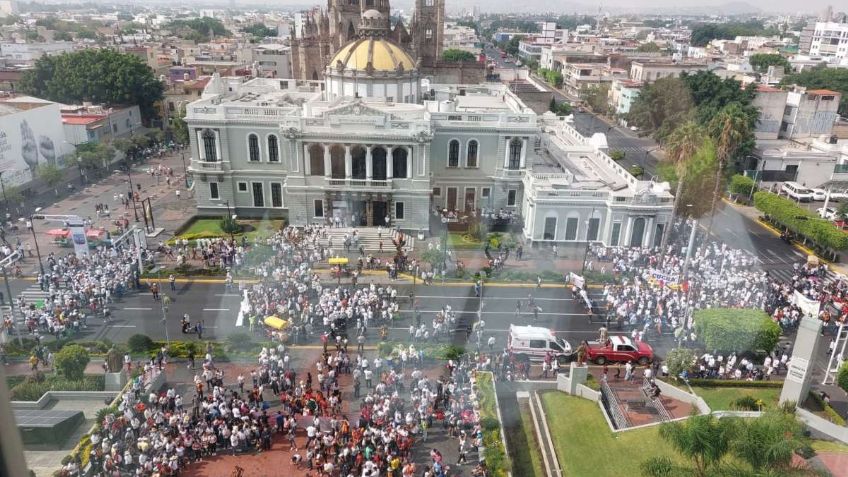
(380, 53)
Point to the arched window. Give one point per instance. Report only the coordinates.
(357, 158)
(337, 162)
(253, 148)
(273, 149)
(378, 167)
(514, 154)
(453, 153)
(471, 154)
(399, 163)
(316, 160)
(209, 148)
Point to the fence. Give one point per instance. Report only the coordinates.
(613, 407)
(655, 403)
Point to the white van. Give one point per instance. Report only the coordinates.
(534, 342)
(796, 191)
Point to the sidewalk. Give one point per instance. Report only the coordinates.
(169, 212)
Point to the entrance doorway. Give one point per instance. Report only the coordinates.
(451, 202)
(380, 210)
(550, 228)
(359, 213)
(470, 199)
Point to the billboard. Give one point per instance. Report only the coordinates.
(30, 138)
(78, 237)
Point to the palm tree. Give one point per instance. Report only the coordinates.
(768, 444)
(681, 145)
(729, 128)
(702, 440)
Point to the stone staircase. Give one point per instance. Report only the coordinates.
(369, 237)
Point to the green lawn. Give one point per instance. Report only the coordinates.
(586, 446)
(212, 226)
(721, 398)
(461, 241)
(205, 225)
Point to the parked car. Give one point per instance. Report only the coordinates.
(534, 342)
(818, 194)
(838, 195)
(828, 213)
(619, 349)
(796, 191)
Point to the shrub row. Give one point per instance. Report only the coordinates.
(800, 221)
(32, 390)
(726, 383)
(495, 452)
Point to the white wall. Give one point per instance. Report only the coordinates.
(31, 138)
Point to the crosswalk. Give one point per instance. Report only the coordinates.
(31, 295)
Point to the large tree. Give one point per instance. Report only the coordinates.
(826, 78)
(681, 147)
(100, 76)
(732, 132)
(661, 107)
(761, 61)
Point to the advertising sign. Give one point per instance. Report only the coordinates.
(78, 237)
(30, 138)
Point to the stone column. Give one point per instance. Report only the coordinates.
(389, 163)
(409, 162)
(328, 162)
(307, 167)
(369, 212)
(348, 162)
(506, 156)
(369, 163)
(523, 153)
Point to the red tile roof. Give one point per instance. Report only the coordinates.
(81, 120)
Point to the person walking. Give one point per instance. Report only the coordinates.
(173, 281)
(154, 290)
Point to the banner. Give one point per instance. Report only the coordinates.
(78, 237)
(576, 280)
(809, 307)
(667, 278)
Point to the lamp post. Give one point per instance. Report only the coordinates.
(185, 169)
(12, 258)
(588, 242)
(35, 239)
(648, 153)
(3, 185)
(164, 312)
(132, 190)
(444, 248)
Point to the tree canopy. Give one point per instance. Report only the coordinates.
(649, 47)
(259, 30)
(454, 55)
(835, 79)
(761, 61)
(787, 214)
(735, 329)
(661, 106)
(199, 29)
(96, 75)
(704, 33)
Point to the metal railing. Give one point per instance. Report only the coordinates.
(358, 183)
(655, 403)
(613, 407)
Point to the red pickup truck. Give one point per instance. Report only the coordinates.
(619, 349)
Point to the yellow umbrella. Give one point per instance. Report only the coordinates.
(276, 323)
(338, 261)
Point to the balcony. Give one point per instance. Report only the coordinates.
(357, 183)
(511, 173)
(207, 167)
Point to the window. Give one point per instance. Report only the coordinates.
(128, 123)
(428, 33)
(616, 232)
(453, 153)
(592, 230)
(538, 344)
(318, 208)
(213, 191)
(471, 154)
(549, 232)
(276, 194)
(114, 127)
(571, 228)
(399, 210)
(658, 233)
(258, 195)
(253, 148)
(209, 149)
(399, 156)
(437, 191)
(514, 154)
(273, 149)
(242, 186)
(485, 192)
(510, 197)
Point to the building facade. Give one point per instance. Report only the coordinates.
(359, 149)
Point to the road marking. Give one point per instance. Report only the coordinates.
(138, 309)
(122, 326)
(227, 294)
(216, 309)
(474, 312)
(487, 298)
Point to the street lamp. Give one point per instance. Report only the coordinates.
(132, 191)
(185, 169)
(3, 185)
(588, 242)
(648, 153)
(12, 258)
(35, 239)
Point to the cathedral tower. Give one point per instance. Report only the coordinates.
(428, 31)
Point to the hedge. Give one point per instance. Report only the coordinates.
(725, 383)
(30, 390)
(810, 226)
(734, 329)
(741, 185)
(842, 377)
(495, 452)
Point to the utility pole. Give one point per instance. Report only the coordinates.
(689, 248)
(35, 239)
(12, 258)
(185, 169)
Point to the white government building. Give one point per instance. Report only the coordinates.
(374, 141)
